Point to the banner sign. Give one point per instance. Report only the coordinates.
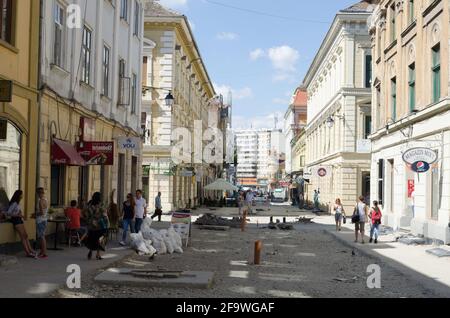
(97, 153)
(420, 167)
(322, 172)
(411, 187)
(129, 143)
(87, 129)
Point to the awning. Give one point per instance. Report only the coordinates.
(63, 153)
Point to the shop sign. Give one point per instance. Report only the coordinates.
(97, 153)
(417, 155)
(322, 172)
(420, 167)
(5, 91)
(87, 129)
(129, 143)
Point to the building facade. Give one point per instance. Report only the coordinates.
(173, 64)
(339, 110)
(90, 99)
(295, 120)
(409, 38)
(19, 51)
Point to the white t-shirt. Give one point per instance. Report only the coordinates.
(362, 211)
(141, 204)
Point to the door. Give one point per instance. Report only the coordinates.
(133, 174)
(366, 187)
(83, 186)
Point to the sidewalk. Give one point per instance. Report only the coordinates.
(429, 270)
(32, 278)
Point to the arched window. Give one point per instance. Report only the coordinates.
(10, 154)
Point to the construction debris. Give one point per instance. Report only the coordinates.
(281, 226)
(214, 228)
(410, 239)
(305, 220)
(213, 220)
(439, 252)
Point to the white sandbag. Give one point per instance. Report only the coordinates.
(138, 244)
(167, 241)
(151, 249)
(175, 236)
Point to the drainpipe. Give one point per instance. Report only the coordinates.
(40, 91)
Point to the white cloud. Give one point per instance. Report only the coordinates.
(258, 122)
(280, 101)
(256, 54)
(174, 3)
(228, 36)
(283, 58)
(238, 94)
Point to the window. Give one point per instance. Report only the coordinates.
(124, 9)
(57, 185)
(412, 87)
(394, 98)
(133, 93)
(436, 71)
(137, 21)
(86, 55)
(59, 40)
(367, 126)
(10, 159)
(368, 71)
(6, 21)
(378, 96)
(393, 23)
(122, 68)
(411, 11)
(106, 54)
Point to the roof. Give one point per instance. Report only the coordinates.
(153, 8)
(301, 98)
(364, 6)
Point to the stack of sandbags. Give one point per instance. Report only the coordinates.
(142, 246)
(158, 241)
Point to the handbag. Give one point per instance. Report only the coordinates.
(344, 219)
(355, 217)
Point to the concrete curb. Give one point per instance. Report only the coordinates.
(434, 287)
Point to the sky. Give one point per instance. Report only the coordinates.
(258, 49)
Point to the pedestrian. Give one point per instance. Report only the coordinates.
(128, 215)
(158, 207)
(15, 215)
(359, 218)
(249, 201)
(141, 211)
(97, 219)
(339, 214)
(375, 215)
(316, 200)
(41, 221)
(73, 213)
(240, 202)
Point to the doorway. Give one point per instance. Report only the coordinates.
(121, 179)
(365, 189)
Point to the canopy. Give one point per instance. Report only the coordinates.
(221, 185)
(64, 153)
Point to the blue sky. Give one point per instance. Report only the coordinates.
(260, 56)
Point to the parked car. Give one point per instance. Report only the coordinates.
(279, 195)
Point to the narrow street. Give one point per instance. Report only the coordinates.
(306, 262)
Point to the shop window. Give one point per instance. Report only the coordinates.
(57, 185)
(10, 148)
(381, 181)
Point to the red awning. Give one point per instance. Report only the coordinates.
(64, 153)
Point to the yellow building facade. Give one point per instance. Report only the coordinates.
(19, 51)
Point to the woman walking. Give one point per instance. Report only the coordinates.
(360, 218)
(339, 214)
(128, 214)
(375, 215)
(16, 218)
(97, 220)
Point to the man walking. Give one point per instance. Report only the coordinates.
(249, 201)
(158, 207)
(141, 211)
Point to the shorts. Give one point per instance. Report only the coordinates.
(41, 228)
(338, 217)
(359, 226)
(16, 221)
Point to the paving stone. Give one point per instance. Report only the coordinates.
(8, 260)
(439, 252)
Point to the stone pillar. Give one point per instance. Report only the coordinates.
(349, 137)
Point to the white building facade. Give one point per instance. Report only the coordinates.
(412, 112)
(339, 111)
(91, 56)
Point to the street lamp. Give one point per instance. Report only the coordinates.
(330, 120)
(169, 100)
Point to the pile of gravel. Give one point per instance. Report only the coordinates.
(213, 220)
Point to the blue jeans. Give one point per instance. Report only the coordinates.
(374, 230)
(137, 225)
(127, 224)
